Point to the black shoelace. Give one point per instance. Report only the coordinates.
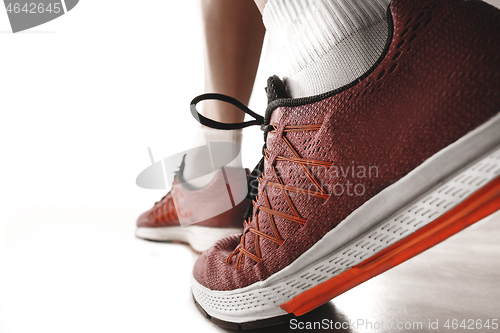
(263, 122)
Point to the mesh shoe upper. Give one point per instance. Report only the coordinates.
(438, 80)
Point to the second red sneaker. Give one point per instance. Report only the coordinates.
(198, 217)
(360, 179)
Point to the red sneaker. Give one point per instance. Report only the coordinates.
(191, 207)
(360, 179)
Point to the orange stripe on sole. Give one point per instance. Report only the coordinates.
(479, 205)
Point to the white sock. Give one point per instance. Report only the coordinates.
(325, 44)
(199, 166)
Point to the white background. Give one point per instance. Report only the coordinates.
(81, 99)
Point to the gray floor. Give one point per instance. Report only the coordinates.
(78, 268)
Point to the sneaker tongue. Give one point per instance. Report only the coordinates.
(275, 89)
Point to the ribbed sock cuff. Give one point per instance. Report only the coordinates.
(323, 45)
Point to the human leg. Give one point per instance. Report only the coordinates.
(233, 39)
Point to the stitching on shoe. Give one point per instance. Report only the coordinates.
(321, 193)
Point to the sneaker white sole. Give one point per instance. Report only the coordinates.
(424, 195)
(199, 238)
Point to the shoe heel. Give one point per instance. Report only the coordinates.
(479, 205)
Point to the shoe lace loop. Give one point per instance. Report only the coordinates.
(256, 177)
